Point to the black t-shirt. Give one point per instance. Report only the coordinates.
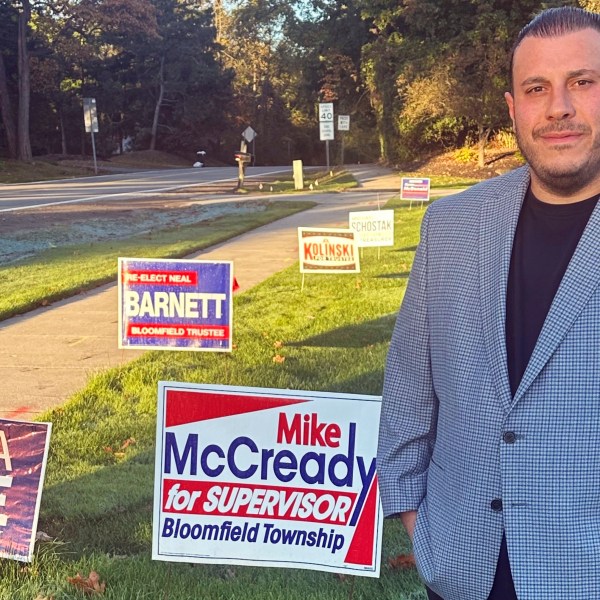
(546, 237)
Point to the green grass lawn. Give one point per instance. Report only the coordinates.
(97, 501)
(317, 181)
(445, 181)
(65, 271)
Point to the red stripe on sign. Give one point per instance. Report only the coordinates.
(138, 277)
(360, 551)
(237, 500)
(191, 406)
(196, 332)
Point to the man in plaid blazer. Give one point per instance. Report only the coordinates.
(489, 444)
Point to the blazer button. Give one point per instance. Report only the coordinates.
(509, 437)
(496, 504)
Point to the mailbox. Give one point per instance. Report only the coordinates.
(243, 157)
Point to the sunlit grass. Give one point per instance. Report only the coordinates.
(97, 502)
(317, 181)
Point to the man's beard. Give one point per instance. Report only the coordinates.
(562, 179)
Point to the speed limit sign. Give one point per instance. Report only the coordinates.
(326, 112)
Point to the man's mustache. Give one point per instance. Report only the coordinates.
(560, 127)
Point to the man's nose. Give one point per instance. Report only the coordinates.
(560, 105)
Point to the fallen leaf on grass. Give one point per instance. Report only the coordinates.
(402, 561)
(88, 585)
(41, 536)
(278, 344)
(117, 453)
(278, 358)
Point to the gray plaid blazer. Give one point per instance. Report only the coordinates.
(456, 445)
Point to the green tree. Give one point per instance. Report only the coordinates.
(438, 68)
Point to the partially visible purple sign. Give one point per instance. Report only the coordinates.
(23, 453)
(413, 188)
(175, 304)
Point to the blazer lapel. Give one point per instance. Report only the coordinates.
(499, 217)
(581, 278)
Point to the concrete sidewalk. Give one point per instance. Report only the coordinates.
(48, 354)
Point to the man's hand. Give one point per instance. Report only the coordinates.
(409, 520)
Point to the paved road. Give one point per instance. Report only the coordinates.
(19, 196)
(48, 354)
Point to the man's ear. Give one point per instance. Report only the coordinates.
(510, 101)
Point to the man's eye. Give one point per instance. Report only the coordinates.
(535, 90)
(582, 82)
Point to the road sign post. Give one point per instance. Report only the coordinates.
(250, 136)
(90, 119)
(343, 125)
(326, 127)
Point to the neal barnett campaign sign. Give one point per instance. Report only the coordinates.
(267, 477)
(175, 304)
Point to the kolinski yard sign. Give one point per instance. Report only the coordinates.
(267, 477)
(175, 304)
(328, 250)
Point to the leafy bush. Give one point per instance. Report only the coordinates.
(505, 139)
(465, 154)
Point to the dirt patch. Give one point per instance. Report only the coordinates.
(497, 163)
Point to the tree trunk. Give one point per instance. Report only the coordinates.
(8, 118)
(159, 101)
(63, 133)
(484, 135)
(218, 12)
(24, 143)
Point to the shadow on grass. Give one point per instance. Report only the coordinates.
(352, 336)
(370, 382)
(406, 249)
(109, 510)
(403, 275)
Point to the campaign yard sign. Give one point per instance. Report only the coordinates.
(267, 477)
(328, 250)
(373, 227)
(175, 304)
(23, 455)
(415, 189)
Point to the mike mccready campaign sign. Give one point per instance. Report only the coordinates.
(267, 477)
(175, 304)
(23, 454)
(373, 227)
(327, 250)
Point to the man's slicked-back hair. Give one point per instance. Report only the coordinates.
(555, 22)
